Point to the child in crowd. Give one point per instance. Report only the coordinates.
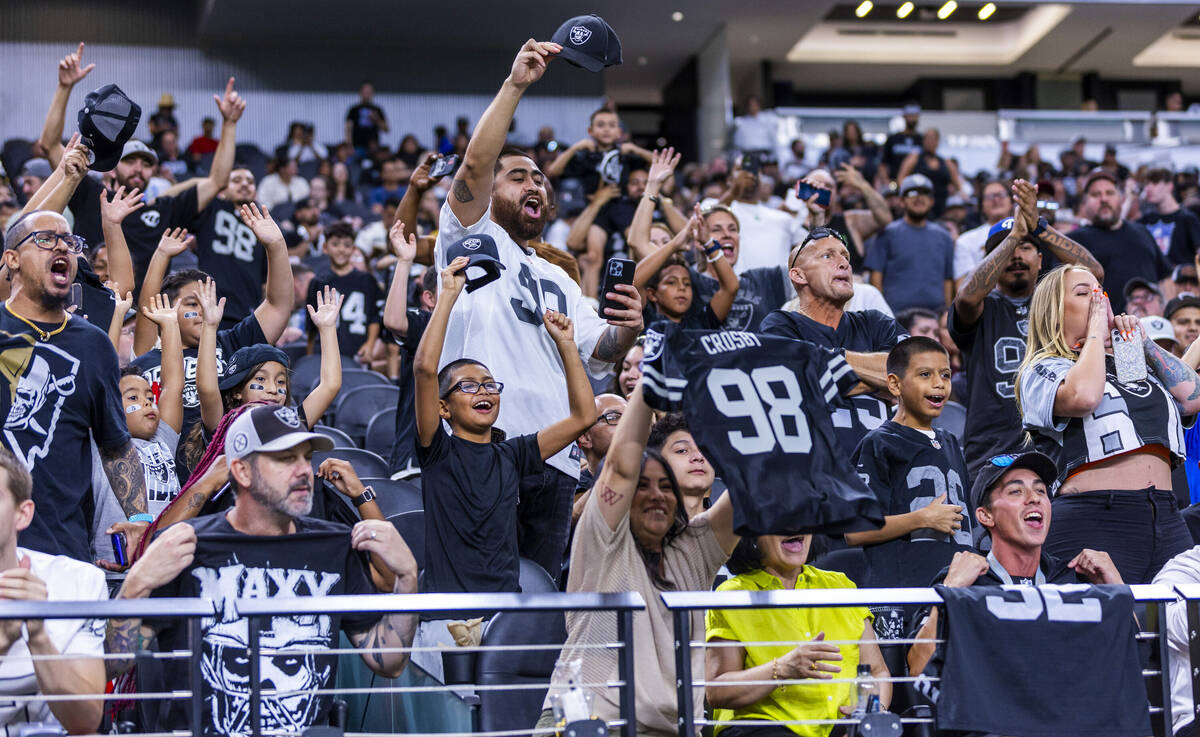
(600, 156)
(917, 471)
(671, 437)
(362, 297)
(667, 283)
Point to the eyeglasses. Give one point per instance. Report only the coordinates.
(816, 234)
(610, 417)
(47, 240)
(997, 197)
(473, 387)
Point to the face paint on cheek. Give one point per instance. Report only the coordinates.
(191, 315)
(133, 408)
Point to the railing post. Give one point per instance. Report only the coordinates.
(253, 627)
(196, 641)
(1164, 659)
(683, 670)
(625, 671)
(1193, 620)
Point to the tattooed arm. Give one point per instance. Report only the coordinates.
(618, 480)
(123, 467)
(380, 539)
(624, 324)
(1070, 252)
(1179, 379)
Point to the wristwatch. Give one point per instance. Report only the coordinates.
(653, 198)
(367, 495)
(1042, 225)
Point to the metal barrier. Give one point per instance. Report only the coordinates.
(682, 604)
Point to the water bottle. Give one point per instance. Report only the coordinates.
(866, 691)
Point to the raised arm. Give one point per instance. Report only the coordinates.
(170, 397)
(654, 262)
(112, 213)
(727, 281)
(863, 224)
(906, 167)
(579, 389)
(59, 187)
(395, 308)
(1083, 386)
(231, 106)
(471, 193)
(70, 73)
(208, 380)
(325, 318)
(276, 309)
(418, 184)
(172, 243)
(1179, 378)
(662, 167)
(559, 165)
(117, 323)
(425, 363)
(618, 480)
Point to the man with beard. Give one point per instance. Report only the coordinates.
(501, 193)
(995, 204)
(267, 547)
(229, 252)
(1125, 250)
(143, 230)
(990, 318)
(61, 385)
(912, 260)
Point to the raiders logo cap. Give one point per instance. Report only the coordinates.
(245, 359)
(483, 259)
(267, 428)
(588, 42)
(106, 122)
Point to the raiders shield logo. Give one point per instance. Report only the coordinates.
(652, 345)
(150, 218)
(40, 378)
(580, 35)
(288, 416)
(472, 244)
(610, 167)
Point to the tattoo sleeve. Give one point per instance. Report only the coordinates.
(613, 343)
(123, 466)
(1180, 380)
(1066, 249)
(462, 192)
(391, 631)
(983, 279)
(124, 637)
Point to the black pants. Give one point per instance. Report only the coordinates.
(544, 518)
(1140, 529)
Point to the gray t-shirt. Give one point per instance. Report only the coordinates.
(162, 485)
(916, 262)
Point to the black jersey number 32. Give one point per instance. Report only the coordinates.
(770, 398)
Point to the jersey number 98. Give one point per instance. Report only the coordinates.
(769, 397)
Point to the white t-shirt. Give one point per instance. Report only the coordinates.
(1182, 569)
(968, 250)
(372, 239)
(867, 297)
(767, 236)
(500, 325)
(755, 132)
(66, 580)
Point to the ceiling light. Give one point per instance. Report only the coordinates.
(863, 8)
(904, 10)
(986, 11)
(677, 16)
(947, 10)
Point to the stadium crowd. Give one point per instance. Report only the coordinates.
(195, 344)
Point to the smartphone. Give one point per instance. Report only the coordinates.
(443, 166)
(751, 163)
(118, 544)
(617, 271)
(804, 190)
(76, 300)
(1130, 358)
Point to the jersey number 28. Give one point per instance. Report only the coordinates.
(769, 397)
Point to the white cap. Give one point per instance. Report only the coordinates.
(1158, 328)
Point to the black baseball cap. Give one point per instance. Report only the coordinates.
(106, 121)
(588, 42)
(1138, 282)
(483, 259)
(266, 429)
(996, 466)
(1187, 299)
(245, 359)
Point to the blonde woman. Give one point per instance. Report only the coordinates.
(1115, 443)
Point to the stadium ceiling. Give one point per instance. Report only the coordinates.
(811, 43)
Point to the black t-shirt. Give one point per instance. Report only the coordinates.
(1177, 234)
(1124, 253)
(897, 147)
(360, 308)
(470, 494)
(59, 394)
(586, 165)
(315, 561)
(759, 291)
(617, 215)
(363, 129)
(229, 252)
(143, 229)
(404, 447)
(866, 331)
(98, 301)
(994, 347)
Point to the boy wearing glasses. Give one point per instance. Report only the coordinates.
(470, 477)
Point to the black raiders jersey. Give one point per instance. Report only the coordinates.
(994, 348)
(758, 406)
(229, 252)
(866, 331)
(1002, 665)
(1128, 417)
(360, 306)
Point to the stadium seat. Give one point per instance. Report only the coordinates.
(395, 497)
(381, 432)
(365, 463)
(850, 561)
(340, 439)
(411, 526)
(251, 157)
(295, 350)
(953, 420)
(355, 408)
(306, 373)
(353, 378)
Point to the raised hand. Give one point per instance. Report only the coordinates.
(420, 179)
(211, 308)
(231, 104)
(70, 69)
(341, 475)
(585, 144)
(122, 304)
(74, 163)
(560, 327)
(329, 307)
(160, 312)
(262, 224)
(119, 207)
(405, 251)
(531, 61)
(848, 175)
(702, 234)
(605, 193)
(175, 241)
(662, 165)
(1025, 209)
(965, 567)
(686, 237)
(454, 276)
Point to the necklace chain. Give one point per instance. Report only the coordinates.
(42, 334)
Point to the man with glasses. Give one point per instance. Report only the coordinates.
(990, 318)
(995, 204)
(595, 440)
(62, 385)
(912, 260)
(1143, 298)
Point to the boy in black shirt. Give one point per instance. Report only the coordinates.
(600, 156)
(358, 329)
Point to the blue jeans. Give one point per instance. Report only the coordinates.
(1140, 529)
(544, 518)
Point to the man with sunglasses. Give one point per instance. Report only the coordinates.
(912, 260)
(61, 385)
(595, 440)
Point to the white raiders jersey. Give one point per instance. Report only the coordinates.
(500, 325)
(1128, 417)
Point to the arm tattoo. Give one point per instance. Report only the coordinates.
(124, 637)
(1173, 373)
(123, 466)
(462, 192)
(1068, 250)
(613, 343)
(983, 279)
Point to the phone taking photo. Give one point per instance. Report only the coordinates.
(804, 190)
(443, 166)
(1129, 357)
(617, 271)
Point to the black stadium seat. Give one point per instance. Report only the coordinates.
(395, 497)
(850, 561)
(340, 439)
(411, 526)
(353, 378)
(306, 373)
(381, 432)
(365, 463)
(251, 157)
(355, 408)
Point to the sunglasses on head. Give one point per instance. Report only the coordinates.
(817, 234)
(1003, 461)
